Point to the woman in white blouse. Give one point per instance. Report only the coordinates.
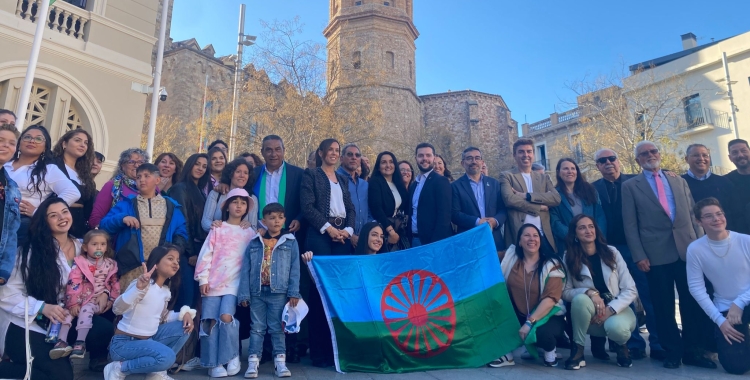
(37, 176)
(74, 155)
(39, 277)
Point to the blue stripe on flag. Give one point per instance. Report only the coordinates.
(354, 285)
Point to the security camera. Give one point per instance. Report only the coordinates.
(163, 94)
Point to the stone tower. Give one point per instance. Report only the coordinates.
(371, 63)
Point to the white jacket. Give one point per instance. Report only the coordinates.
(619, 282)
(510, 260)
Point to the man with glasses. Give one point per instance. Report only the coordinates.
(477, 198)
(702, 182)
(656, 211)
(351, 161)
(739, 154)
(609, 188)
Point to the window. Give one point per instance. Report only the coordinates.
(541, 155)
(357, 60)
(387, 3)
(390, 59)
(77, 3)
(357, 3)
(693, 111)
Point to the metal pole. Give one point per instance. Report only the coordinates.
(729, 93)
(237, 73)
(42, 17)
(157, 79)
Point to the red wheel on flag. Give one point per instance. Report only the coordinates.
(417, 308)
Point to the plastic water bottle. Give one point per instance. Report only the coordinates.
(53, 330)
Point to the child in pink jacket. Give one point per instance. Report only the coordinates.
(94, 273)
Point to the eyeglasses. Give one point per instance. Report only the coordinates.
(603, 160)
(473, 158)
(37, 140)
(405, 170)
(646, 153)
(352, 154)
(711, 217)
(135, 163)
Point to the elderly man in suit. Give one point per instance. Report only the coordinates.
(528, 195)
(430, 201)
(477, 198)
(656, 212)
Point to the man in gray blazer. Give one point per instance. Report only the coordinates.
(656, 212)
(528, 196)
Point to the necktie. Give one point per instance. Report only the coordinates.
(662, 194)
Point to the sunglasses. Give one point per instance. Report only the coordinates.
(603, 160)
(646, 153)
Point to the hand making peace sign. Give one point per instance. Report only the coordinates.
(145, 279)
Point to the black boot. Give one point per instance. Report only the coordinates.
(576, 359)
(597, 347)
(623, 355)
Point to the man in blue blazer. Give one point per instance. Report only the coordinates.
(477, 198)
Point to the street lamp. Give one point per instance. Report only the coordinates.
(242, 41)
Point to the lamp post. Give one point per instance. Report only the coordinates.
(42, 18)
(728, 93)
(157, 79)
(242, 41)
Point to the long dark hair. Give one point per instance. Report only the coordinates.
(186, 175)
(323, 148)
(41, 271)
(544, 254)
(83, 164)
(397, 178)
(576, 258)
(173, 282)
(228, 173)
(36, 178)
(177, 165)
(581, 188)
(446, 172)
(364, 235)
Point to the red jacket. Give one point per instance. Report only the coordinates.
(80, 289)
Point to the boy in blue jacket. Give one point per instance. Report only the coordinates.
(144, 222)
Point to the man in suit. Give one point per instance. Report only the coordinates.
(528, 195)
(656, 212)
(477, 198)
(430, 197)
(609, 188)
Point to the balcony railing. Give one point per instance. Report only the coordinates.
(699, 117)
(63, 18)
(554, 120)
(539, 125)
(568, 115)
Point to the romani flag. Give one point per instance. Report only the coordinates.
(443, 305)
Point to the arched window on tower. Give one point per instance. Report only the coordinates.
(357, 60)
(390, 60)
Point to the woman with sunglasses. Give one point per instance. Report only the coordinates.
(37, 176)
(121, 186)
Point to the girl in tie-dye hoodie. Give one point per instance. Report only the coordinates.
(218, 274)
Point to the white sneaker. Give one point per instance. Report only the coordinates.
(279, 362)
(194, 363)
(158, 376)
(252, 367)
(234, 366)
(503, 361)
(218, 371)
(112, 371)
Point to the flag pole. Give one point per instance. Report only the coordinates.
(42, 16)
(157, 79)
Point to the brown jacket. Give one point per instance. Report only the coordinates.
(518, 207)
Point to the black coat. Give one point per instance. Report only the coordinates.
(80, 214)
(433, 209)
(381, 201)
(315, 198)
(292, 209)
(466, 210)
(193, 202)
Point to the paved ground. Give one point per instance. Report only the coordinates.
(642, 369)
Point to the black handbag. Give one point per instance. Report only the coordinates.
(128, 257)
(399, 224)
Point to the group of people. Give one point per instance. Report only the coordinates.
(209, 250)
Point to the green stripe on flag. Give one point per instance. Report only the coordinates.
(486, 329)
(51, 1)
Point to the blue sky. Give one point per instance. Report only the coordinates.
(525, 51)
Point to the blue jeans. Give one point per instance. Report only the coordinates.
(218, 338)
(265, 313)
(155, 354)
(641, 284)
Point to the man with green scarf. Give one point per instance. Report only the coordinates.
(279, 181)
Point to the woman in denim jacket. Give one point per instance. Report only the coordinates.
(9, 195)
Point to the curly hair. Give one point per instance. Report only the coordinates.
(39, 172)
(230, 168)
(83, 164)
(38, 272)
(125, 157)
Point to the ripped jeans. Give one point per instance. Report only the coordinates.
(218, 338)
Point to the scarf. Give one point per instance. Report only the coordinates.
(260, 189)
(117, 183)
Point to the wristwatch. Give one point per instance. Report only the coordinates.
(612, 310)
(532, 320)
